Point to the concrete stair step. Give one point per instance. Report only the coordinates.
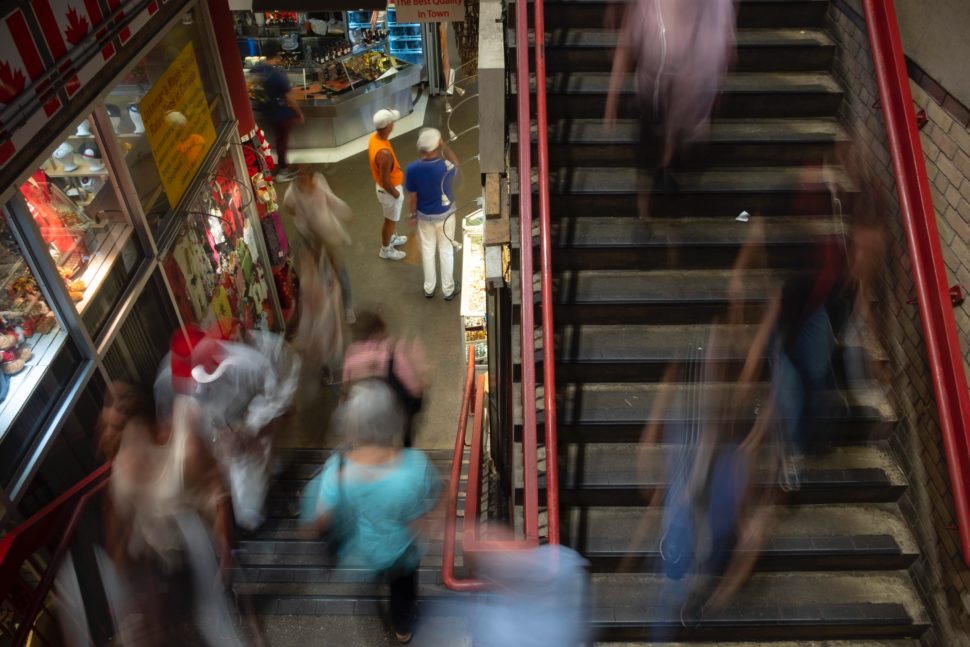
(807, 537)
(743, 95)
(758, 50)
(732, 142)
(641, 353)
(712, 192)
(751, 13)
(625, 474)
(620, 242)
(771, 606)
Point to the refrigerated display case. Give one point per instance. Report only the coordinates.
(404, 38)
(473, 302)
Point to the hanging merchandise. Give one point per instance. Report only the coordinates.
(214, 261)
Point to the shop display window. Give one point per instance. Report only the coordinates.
(213, 269)
(73, 199)
(142, 137)
(32, 342)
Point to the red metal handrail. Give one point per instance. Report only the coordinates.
(34, 534)
(527, 321)
(929, 276)
(471, 543)
(40, 592)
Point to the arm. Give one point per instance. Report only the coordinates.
(290, 99)
(384, 165)
(449, 154)
(412, 204)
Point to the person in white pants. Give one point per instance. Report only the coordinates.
(428, 181)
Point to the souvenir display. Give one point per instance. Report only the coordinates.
(24, 315)
(64, 155)
(83, 129)
(114, 114)
(92, 156)
(213, 268)
(135, 115)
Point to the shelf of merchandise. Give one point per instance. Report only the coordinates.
(83, 170)
(414, 55)
(110, 243)
(473, 302)
(44, 348)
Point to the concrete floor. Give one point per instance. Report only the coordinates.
(394, 288)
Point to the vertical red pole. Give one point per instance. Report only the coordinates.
(225, 35)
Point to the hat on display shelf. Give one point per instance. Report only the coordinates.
(65, 155)
(84, 129)
(114, 113)
(135, 115)
(93, 156)
(385, 117)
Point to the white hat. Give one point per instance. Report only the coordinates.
(429, 140)
(384, 118)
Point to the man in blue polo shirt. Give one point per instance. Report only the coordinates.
(428, 182)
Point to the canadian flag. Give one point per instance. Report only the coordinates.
(20, 64)
(65, 23)
(140, 20)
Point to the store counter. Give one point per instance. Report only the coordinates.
(334, 121)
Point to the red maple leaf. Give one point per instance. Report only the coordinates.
(77, 27)
(12, 82)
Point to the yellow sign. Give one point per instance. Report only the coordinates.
(178, 124)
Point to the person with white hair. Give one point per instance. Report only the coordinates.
(431, 200)
(373, 497)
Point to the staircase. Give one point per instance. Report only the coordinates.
(631, 295)
(285, 575)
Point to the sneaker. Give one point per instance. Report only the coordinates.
(285, 175)
(403, 638)
(454, 292)
(429, 295)
(397, 240)
(350, 316)
(391, 254)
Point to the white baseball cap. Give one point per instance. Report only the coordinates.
(385, 117)
(429, 140)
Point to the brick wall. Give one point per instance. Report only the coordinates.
(940, 574)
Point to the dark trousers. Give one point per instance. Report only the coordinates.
(404, 594)
(281, 131)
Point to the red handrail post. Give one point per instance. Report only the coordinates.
(530, 455)
(545, 262)
(451, 513)
(929, 276)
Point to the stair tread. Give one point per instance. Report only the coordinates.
(633, 343)
(625, 180)
(630, 231)
(657, 286)
(846, 527)
(627, 131)
(749, 37)
(632, 465)
(737, 82)
(623, 402)
(637, 598)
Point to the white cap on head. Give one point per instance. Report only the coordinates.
(429, 140)
(385, 117)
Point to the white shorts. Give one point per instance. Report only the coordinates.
(392, 206)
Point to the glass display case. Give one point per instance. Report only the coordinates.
(74, 200)
(404, 39)
(473, 303)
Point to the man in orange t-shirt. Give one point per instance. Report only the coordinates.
(389, 179)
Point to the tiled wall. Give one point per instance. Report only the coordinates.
(940, 573)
